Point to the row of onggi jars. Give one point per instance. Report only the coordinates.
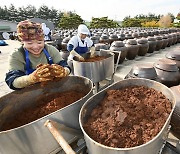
(135, 41)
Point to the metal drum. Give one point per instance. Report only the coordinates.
(35, 138)
(98, 70)
(151, 147)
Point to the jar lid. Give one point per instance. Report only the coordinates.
(143, 71)
(151, 39)
(174, 55)
(117, 44)
(166, 64)
(142, 41)
(131, 42)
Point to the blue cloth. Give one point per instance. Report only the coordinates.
(3, 43)
(78, 49)
(11, 76)
(29, 70)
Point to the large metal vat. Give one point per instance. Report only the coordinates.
(151, 147)
(35, 138)
(98, 70)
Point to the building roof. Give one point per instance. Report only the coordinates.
(49, 24)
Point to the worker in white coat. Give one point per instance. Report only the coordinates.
(80, 44)
(46, 31)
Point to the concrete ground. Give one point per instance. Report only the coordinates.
(122, 70)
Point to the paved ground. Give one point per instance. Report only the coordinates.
(5, 51)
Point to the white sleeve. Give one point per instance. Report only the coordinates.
(73, 41)
(89, 42)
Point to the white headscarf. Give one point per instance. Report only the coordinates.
(82, 29)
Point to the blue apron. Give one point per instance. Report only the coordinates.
(81, 50)
(28, 68)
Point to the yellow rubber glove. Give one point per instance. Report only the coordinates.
(92, 52)
(41, 74)
(74, 53)
(58, 71)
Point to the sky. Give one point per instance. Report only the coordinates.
(114, 9)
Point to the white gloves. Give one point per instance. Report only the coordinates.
(74, 53)
(92, 51)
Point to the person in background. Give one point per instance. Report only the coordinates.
(47, 32)
(80, 44)
(23, 62)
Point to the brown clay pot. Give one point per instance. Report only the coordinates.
(167, 72)
(175, 119)
(159, 43)
(64, 43)
(118, 46)
(170, 40)
(132, 48)
(112, 38)
(104, 39)
(175, 56)
(142, 71)
(152, 44)
(95, 39)
(99, 46)
(165, 41)
(143, 46)
(64, 54)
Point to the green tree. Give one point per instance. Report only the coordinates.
(131, 22)
(70, 20)
(12, 13)
(103, 22)
(43, 12)
(4, 13)
(172, 17)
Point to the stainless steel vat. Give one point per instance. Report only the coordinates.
(95, 71)
(151, 147)
(35, 138)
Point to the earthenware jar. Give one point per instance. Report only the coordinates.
(64, 43)
(132, 48)
(95, 39)
(175, 56)
(165, 41)
(121, 37)
(99, 46)
(64, 54)
(104, 39)
(112, 38)
(175, 119)
(144, 70)
(167, 72)
(143, 46)
(174, 36)
(152, 44)
(117, 46)
(170, 40)
(159, 43)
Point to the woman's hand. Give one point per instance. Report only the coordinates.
(42, 73)
(58, 71)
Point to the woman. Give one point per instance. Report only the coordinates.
(23, 62)
(80, 44)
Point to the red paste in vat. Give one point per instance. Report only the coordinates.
(45, 106)
(128, 117)
(94, 59)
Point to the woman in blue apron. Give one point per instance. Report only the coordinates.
(23, 62)
(79, 44)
